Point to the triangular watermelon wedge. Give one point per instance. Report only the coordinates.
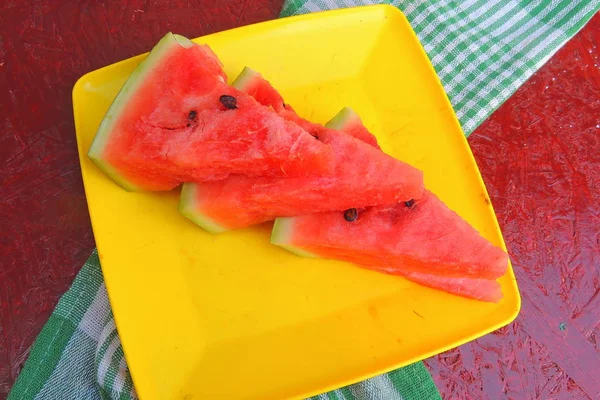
(251, 82)
(475, 288)
(176, 120)
(362, 176)
(422, 240)
(423, 236)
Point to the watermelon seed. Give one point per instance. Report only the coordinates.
(409, 203)
(228, 101)
(350, 214)
(192, 115)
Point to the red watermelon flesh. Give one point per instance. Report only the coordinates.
(348, 121)
(357, 180)
(473, 288)
(251, 82)
(423, 236)
(170, 124)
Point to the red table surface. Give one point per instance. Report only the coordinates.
(539, 155)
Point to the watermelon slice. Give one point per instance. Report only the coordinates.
(176, 120)
(476, 288)
(422, 236)
(251, 82)
(356, 180)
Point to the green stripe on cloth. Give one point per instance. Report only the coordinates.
(44, 357)
(48, 349)
(412, 381)
(482, 51)
(78, 355)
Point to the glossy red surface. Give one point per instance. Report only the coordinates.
(539, 154)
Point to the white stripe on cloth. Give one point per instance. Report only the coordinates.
(106, 331)
(77, 360)
(484, 37)
(412, 6)
(419, 19)
(440, 36)
(474, 31)
(377, 388)
(313, 7)
(121, 376)
(97, 314)
(104, 363)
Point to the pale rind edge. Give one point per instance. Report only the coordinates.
(244, 77)
(342, 118)
(281, 235)
(188, 208)
(122, 99)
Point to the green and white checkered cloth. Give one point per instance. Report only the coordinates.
(483, 50)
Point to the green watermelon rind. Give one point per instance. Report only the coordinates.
(244, 78)
(187, 207)
(280, 236)
(343, 119)
(119, 104)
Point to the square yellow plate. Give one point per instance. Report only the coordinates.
(232, 317)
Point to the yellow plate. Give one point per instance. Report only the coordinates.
(232, 317)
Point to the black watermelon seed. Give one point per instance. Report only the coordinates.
(228, 101)
(409, 203)
(350, 214)
(192, 115)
